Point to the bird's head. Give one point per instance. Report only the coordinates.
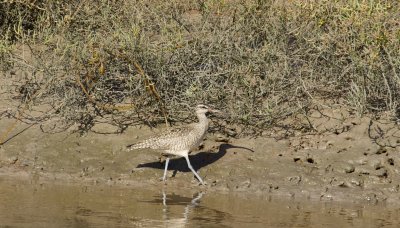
(203, 109)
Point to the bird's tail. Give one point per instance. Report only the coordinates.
(140, 145)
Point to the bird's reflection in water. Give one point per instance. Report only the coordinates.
(181, 211)
(178, 200)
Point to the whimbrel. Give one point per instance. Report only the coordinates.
(179, 140)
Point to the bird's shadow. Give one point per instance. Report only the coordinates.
(198, 160)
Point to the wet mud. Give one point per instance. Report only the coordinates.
(345, 159)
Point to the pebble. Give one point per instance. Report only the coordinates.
(381, 173)
(363, 171)
(295, 143)
(297, 159)
(376, 164)
(343, 167)
(361, 161)
(221, 138)
(326, 196)
(394, 188)
(371, 197)
(325, 145)
(390, 161)
(230, 132)
(349, 168)
(381, 150)
(244, 184)
(358, 183)
(295, 179)
(13, 159)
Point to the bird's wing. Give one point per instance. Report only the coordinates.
(162, 139)
(177, 131)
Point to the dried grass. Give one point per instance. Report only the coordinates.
(135, 62)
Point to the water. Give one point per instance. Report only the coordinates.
(28, 204)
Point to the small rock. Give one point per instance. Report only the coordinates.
(244, 184)
(394, 188)
(376, 164)
(381, 150)
(381, 173)
(364, 171)
(295, 143)
(325, 145)
(371, 197)
(231, 132)
(310, 160)
(326, 196)
(349, 168)
(358, 183)
(343, 167)
(295, 179)
(349, 138)
(272, 187)
(328, 168)
(221, 138)
(361, 161)
(390, 161)
(296, 159)
(13, 160)
(26, 163)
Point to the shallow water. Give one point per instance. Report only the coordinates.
(29, 204)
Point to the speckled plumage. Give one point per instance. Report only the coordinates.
(176, 139)
(179, 140)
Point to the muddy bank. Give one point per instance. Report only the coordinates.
(345, 158)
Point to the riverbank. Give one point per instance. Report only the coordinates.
(345, 158)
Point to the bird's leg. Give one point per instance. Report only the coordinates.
(165, 169)
(191, 168)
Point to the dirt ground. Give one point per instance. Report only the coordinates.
(345, 158)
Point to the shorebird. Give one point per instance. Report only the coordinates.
(179, 141)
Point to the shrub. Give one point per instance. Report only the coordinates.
(135, 62)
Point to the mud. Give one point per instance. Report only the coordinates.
(345, 158)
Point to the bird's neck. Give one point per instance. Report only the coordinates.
(203, 121)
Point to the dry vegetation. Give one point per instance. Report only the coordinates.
(135, 62)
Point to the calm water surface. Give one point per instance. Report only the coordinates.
(27, 204)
